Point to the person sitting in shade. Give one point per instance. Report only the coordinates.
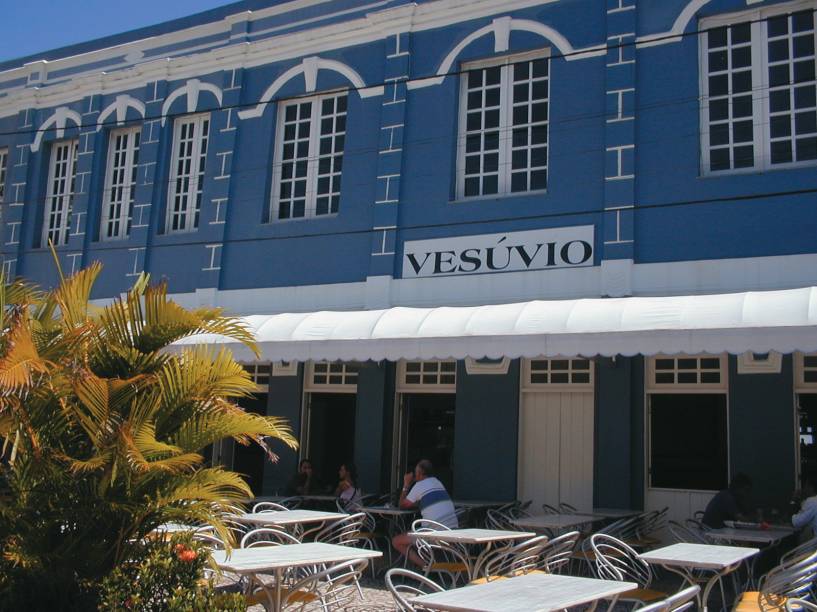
(421, 490)
(730, 504)
(347, 490)
(304, 482)
(807, 515)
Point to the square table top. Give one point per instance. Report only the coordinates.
(554, 521)
(388, 510)
(700, 556)
(265, 558)
(753, 536)
(478, 503)
(472, 536)
(530, 593)
(288, 517)
(615, 512)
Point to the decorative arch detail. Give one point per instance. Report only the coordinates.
(675, 33)
(59, 120)
(309, 67)
(501, 29)
(191, 91)
(120, 106)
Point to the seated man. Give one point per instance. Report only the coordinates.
(429, 495)
(730, 504)
(807, 514)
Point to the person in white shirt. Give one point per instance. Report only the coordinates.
(347, 490)
(421, 490)
(807, 516)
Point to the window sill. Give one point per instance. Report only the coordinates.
(499, 197)
(274, 222)
(758, 171)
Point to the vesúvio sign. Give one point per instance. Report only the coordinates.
(564, 247)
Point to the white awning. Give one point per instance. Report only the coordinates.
(782, 321)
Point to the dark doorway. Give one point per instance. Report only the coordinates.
(331, 434)
(429, 429)
(807, 414)
(249, 460)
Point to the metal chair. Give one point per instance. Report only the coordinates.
(790, 580)
(269, 507)
(439, 557)
(682, 600)
(210, 540)
(495, 518)
(681, 533)
(557, 553)
(291, 503)
(549, 509)
(615, 560)
(411, 584)
(800, 551)
(800, 605)
(428, 525)
(567, 509)
(266, 536)
(516, 560)
(343, 532)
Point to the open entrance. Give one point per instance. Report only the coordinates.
(331, 434)
(425, 418)
(330, 406)
(805, 384)
(249, 460)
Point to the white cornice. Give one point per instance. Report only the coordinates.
(374, 26)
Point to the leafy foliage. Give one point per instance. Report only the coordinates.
(105, 426)
(169, 577)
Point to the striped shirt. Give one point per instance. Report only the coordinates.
(434, 502)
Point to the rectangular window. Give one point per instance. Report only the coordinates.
(4, 159)
(309, 157)
(759, 103)
(120, 183)
(430, 373)
(503, 133)
(575, 373)
(190, 136)
(62, 176)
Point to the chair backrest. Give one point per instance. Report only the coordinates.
(516, 560)
(615, 560)
(463, 515)
(344, 531)
(497, 519)
(557, 553)
(209, 540)
(567, 509)
(800, 551)
(682, 534)
(404, 584)
(336, 586)
(428, 525)
(266, 536)
(792, 579)
(549, 509)
(680, 601)
(269, 507)
(291, 503)
(799, 605)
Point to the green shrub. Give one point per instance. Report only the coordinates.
(169, 576)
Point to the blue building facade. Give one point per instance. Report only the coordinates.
(344, 155)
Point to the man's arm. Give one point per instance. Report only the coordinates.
(405, 502)
(806, 515)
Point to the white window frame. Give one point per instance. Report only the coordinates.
(800, 369)
(698, 387)
(260, 372)
(439, 386)
(505, 123)
(65, 198)
(348, 372)
(760, 93)
(4, 162)
(126, 188)
(191, 194)
(313, 156)
(528, 370)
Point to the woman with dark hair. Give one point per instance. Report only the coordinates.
(304, 482)
(347, 490)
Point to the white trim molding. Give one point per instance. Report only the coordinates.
(755, 363)
(309, 67)
(675, 33)
(191, 91)
(501, 29)
(487, 366)
(59, 119)
(120, 106)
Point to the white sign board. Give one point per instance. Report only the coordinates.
(563, 247)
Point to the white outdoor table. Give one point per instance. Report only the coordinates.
(389, 510)
(276, 559)
(530, 593)
(285, 517)
(554, 521)
(682, 559)
(470, 503)
(615, 513)
(484, 537)
(750, 536)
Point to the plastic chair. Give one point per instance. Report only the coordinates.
(411, 585)
(615, 560)
(682, 600)
(269, 507)
(266, 536)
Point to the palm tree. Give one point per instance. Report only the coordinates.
(104, 425)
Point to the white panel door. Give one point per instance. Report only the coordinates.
(556, 449)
